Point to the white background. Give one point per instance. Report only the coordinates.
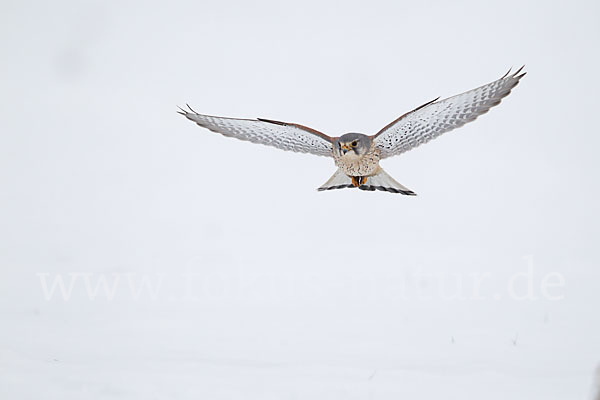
(263, 288)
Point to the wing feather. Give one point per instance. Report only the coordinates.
(282, 135)
(437, 117)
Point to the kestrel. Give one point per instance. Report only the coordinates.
(357, 155)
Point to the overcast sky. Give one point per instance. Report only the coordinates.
(101, 176)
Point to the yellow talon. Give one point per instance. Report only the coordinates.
(358, 180)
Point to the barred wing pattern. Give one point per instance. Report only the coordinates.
(283, 135)
(436, 117)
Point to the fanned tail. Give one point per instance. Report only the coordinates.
(380, 181)
(338, 180)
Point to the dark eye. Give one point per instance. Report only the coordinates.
(354, 144)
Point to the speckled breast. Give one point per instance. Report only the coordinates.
(353, 165)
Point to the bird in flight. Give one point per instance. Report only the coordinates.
(357, 155)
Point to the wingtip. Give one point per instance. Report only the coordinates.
(520, 76)
(519, 70)
(190, 108)
(515, 75)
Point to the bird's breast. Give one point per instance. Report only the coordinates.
(354, 165)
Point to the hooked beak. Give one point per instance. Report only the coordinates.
(344, 149)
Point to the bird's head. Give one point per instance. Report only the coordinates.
(352, 144)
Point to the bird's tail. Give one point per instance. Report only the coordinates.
(378, 181)
(338, 180)
(382, 181)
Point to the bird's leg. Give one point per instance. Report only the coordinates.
(358, 180)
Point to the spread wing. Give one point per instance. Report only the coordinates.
(283, 135)
(436, 117)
